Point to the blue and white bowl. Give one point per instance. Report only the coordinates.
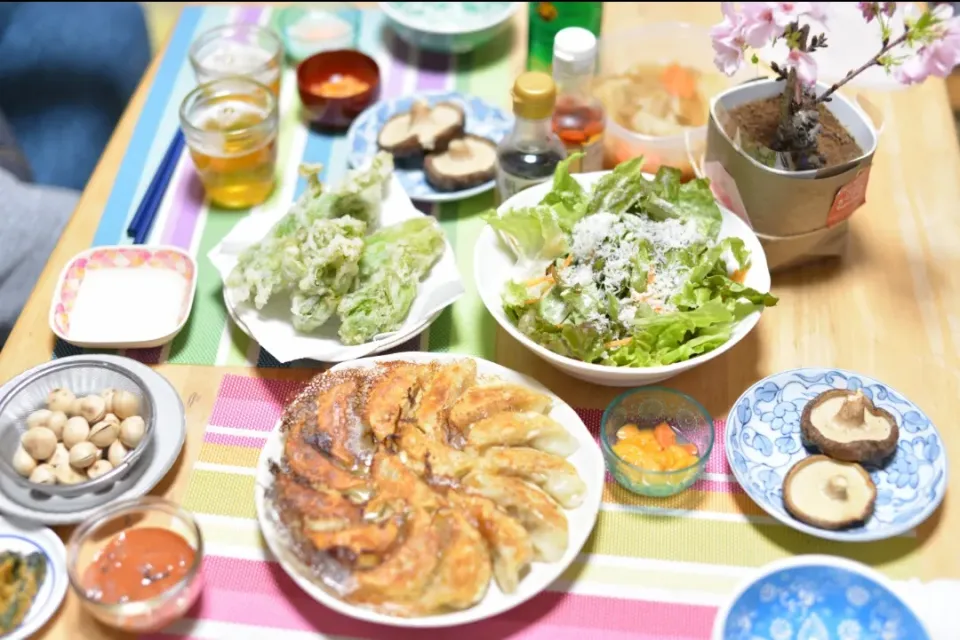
(482, 119)
(818, 598)
(763, 442)
(449, 27)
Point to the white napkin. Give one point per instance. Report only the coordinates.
(272, 326)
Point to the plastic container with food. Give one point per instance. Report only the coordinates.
(656, 440)
(656, 83)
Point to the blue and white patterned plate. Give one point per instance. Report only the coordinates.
(482, 119)
(763, 443)
(818, 598)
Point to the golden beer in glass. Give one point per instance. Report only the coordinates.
(230, 126)
(238, 50)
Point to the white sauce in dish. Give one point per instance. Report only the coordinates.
(127, 305)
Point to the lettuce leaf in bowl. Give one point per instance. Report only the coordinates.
(631, 272)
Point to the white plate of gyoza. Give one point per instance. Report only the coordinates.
(427, 490)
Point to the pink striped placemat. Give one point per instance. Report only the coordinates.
(653, 568)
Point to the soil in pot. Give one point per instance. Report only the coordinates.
(758, 120)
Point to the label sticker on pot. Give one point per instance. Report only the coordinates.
(724, 189)
(849, 198)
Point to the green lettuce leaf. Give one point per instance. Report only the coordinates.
(567, 197)
(533, 233)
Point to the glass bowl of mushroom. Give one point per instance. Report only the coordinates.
(74, 426)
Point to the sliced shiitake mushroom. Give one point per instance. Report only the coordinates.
(829, 494)
(422, 130)
(846, 425)
(467, 162)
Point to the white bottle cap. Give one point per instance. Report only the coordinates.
(575, 50)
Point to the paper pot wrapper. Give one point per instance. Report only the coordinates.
(272, 327)
(798, 215)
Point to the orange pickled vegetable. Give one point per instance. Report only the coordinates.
(664, 435)
(628, 431)
(690, 448)
(339, 86)
(679, 82)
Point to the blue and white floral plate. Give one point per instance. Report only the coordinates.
(763, 443)
(818, 598)
(482, 119)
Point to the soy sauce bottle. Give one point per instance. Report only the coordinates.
(529, 154)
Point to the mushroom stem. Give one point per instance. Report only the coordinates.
(459, 149)
(837, 487)
(851, 413)
(419, 111)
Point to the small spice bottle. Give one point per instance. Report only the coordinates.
(529, 154)
(578, 118)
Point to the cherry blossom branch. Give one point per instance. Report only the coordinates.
(875, 60)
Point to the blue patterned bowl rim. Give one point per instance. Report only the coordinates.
(355, 133)
(808, 560)
(841, 536)
(608, 448)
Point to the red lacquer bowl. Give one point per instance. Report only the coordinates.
(328, 66)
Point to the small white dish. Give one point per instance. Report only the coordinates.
(124, 297)
(588, 461)
(272, 327)
(495, 265)
(449, 27)
(169, 435)
(25, 538)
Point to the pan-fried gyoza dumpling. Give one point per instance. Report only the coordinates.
(508, 540)
(551, 473)
(483, 401)
(439, 394)
(534, 509)
(388, 396)
(523, 428)
(463, 575)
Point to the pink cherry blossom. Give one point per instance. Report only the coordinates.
(939, 57)
(889, 8)
(728, 42)
(786, 12)
(758, 23)
(869, 10)
(805, 65)
(818, 11)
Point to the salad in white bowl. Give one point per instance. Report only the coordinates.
(622, 278)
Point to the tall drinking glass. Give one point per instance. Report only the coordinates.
(230, 126)
(238, 50)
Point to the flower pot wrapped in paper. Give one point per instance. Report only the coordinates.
(797, 214)
(790, 155)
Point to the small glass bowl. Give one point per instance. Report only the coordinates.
(83, 376)
(647, 407)
(97, 531)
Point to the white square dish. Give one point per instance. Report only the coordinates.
(124, 297)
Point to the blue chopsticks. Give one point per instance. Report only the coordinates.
(146, 213)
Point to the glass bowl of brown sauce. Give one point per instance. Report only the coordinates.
(135, 565)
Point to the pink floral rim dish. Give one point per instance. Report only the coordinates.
(124, 297)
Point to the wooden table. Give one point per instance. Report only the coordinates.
(890, 309)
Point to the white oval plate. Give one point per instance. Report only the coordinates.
(24, 537)
(494, 265)
(169, 435)
(587, 460)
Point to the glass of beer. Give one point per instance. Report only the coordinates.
(238, 50)
(230, 126)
